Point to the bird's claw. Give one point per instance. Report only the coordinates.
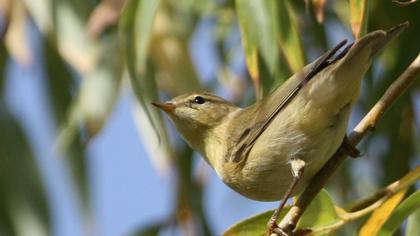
(275, 230)
(280, 232)
(350, 149)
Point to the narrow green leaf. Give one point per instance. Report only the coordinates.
(136, 30)
(359, 17)
(319, 9)
(60, 87)
(136, 27)
(289, 36)
(413, 224)
(23, 203)
(407, 207)
(259, 31)
(381, 214)
(259, 36)
(98, 94)
(4, 57)
(255, 225)
(61, 20)
(100, 87)
(270, 32)
(321, 212)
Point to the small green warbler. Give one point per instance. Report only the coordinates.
(270, 150)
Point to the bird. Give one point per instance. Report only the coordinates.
(270, 150)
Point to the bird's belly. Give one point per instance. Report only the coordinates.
(266, 174)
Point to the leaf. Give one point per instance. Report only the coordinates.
(407, 207)
(259, 36)
(272, 28)
(170, 54)
(4, 58)
(97, 95)
(413, 224)
(381, 214)
(136, 48)
(321, 212)
(136, 29)
(61, 20)
(255, 225)
(60, 88)
(319, 7)
(16, 38)
(289, 36)
(158, 153)
(105, 15)
(100, 87)
(359, 17)
(23, 204)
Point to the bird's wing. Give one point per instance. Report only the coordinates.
(282, 96)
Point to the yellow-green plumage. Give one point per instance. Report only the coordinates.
(250, 151)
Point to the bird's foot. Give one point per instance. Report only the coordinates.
(350, 149)
(275, 230)
(281, 232)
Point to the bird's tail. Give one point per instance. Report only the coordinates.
(372, 43)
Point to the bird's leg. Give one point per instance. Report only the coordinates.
(349, 148)
(297, 165)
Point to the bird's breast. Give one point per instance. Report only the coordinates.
(265, 173)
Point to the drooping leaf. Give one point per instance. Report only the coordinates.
(319, 8)
(60, 86)
(16, 38)
(271, 33)
(105, 15)
(321, 212)
(255, 225)
(4, 57)
(97, 95)
(289, 36)
(359, 17)
(413, 224)
(61, 21)
(259, 36)
(100, 87)
(23, 203)
(407, 207)
(136, 29)
(169, 51)
(380, 215)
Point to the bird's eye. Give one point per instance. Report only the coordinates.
(199, 100)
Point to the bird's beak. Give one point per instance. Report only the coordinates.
(165, 106)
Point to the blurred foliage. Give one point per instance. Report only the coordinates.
(90, 47)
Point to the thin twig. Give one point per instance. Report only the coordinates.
(396, 89)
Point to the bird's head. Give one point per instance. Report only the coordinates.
(196, 114)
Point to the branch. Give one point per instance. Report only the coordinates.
(366, 125)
